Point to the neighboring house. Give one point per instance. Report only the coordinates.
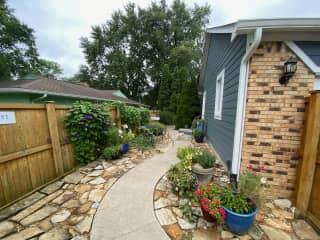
(250, 117)
(62, 92)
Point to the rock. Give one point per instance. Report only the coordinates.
(95, 205)
(112, 169)
(73, 220)
(109, 184)
(67, 195)
(174, 231)
(204, 224)
(97, 181)
(226, 235)
(255, 232)
(201, 234)
(25, 234)
(161, 186)
(178, 212)
(282, 203)
(121, 161)
(185, 224)
(73, 203)
(259, 218)
(73, 178)
(161, 203)
(6, 228)
(79, 238)
(84, 198)
(20, 205)
(85, 225)
(52, 187)
(282, 214)
(99, 167)
(85, 208)
(172, 197)
(197, 211)
(45, 224)
(86, 179)
(275, 234)
(165, 216)
(95, 173)
(304, 231)
(276, 223)
(39, 215)
(106, 164)
(56, 234)
(244, 237)
(82, 188)
(92, 211)
(96, 195)
(269, 205)
(60, 216)
(157, 194)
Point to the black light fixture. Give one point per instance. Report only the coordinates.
(289, 69)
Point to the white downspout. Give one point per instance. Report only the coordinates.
(241, 103)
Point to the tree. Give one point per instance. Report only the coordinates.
(18, 53)
(165, 88)
(81, 76)
(48, 69)
(130, 51)
(188, 104)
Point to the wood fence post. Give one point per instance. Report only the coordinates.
(310, 151)
(54, 135)
(118, 117)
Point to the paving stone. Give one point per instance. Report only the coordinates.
(52, 187)
(73, 220)
(202, 223)
(45, 224)
(67, 195)
(85, 225)
(172, 197)
(226, 235)
(84, 198)
(205, 234)
(106, 164)
(95, 205)
(92, 211)
(95, 173)
(174, 231)
(165, 216)
(86, 179)
(20, 205)
(60, 216)
(96, 195)
(282, 214)
(197, 211)
(177, 211)
(282, 203)
(73, 203)
(109, 183)
(121, 161)
(279, 224)
(25, 234)
(85, 208)
(255, 232)
(73, 177)
(39, 215)
(185, 224)
(56, 234)
(275, 234)
(80, 238)
(162, 202)
(81, 188)
(269, 205)
(304, 231)
(99, 167)
(112, 169)
(97, 181)
(244, 237)
(157, 194)
(6, 228)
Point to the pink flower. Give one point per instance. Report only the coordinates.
(254, 174)
(261, 167)
(212, 212)
(249, 166)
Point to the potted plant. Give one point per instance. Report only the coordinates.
(200, 124)
(126, 138)
(203, 166)
(209, 199)
(198, 135)
(242, 206)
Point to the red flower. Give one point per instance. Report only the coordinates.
(254, 174)
(217, 202)
(199, 192)
(212, 212)
(249, 166)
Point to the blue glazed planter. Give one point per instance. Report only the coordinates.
(239, 223)
(125, 148)
(200, 126)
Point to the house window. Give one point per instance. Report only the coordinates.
(219, 96)
(204, 104)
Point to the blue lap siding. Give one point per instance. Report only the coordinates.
(223, 54)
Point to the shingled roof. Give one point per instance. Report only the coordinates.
(62, 88)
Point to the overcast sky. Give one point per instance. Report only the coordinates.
(59, 24)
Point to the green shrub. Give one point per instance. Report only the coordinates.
(167, 117)
(197, 133)
(144, 141)
(87, 125)
(112, 152)
(156, 128)
(144, 115)
(205, 159)
(113, 137)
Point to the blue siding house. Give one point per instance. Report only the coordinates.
(252, 117)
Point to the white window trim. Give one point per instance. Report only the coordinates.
(204, 104)
(219, 96)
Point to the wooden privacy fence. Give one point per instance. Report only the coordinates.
(308, 175)
(35, 149)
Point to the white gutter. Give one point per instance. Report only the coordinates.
(23, 90)
(241, 103)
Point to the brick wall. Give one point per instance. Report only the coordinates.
(274, 117)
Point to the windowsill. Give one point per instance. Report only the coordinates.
(217, 117)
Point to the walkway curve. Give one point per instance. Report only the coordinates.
(127, 212)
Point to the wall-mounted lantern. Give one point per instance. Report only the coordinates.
(289, 69)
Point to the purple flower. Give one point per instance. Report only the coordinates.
(84, 126)
(86, 117)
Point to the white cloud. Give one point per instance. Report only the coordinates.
(59, 24)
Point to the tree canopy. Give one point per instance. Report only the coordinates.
(147, 53)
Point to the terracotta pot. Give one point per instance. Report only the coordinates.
(206, 215)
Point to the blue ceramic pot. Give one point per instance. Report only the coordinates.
(239, 223)
(125, 148)
(199, 139)
(200, 126)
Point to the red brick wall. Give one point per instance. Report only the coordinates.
(274, 117)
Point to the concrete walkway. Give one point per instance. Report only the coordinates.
(126, 212)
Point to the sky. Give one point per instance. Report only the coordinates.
(59, 24)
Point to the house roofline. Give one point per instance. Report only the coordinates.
(23, 90)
